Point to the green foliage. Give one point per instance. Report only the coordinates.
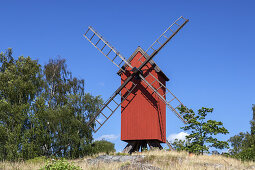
(121, 154)
(63, 111)
(43, 111)
(60, 165)
(102, 146)
(237, 142)
(20, 82)
(243, 144)
(202, 132)
(253, 121)
(180, 145)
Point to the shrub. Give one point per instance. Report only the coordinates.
(102, 146)
(60, 165)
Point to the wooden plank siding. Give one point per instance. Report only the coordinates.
(143, 114)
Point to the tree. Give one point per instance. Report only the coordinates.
(253, 121)
(20, 82)
(237, 143)
(243, 144)
(202, 132)
(180, 145)
(43, 112)
(62, 112)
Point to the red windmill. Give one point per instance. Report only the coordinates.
(142, 92)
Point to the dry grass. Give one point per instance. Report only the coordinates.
(183, 160)
(20, 165)
(161, 159)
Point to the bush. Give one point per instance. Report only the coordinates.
(102, 146)
(248, 154)
(60, 165)
(243, 144)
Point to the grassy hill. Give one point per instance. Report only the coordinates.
(146, 160)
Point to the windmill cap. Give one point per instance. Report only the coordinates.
(156, 67)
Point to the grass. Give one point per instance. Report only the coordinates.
(161, 159)
(183, 160)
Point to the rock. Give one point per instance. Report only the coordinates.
(218, 166)
(252, 167)
(139, 166)
(135, 161)
(116, 158)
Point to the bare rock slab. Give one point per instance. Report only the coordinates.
(116, 158)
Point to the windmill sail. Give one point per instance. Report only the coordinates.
(166, 36)
(109, 107)
(112, 104)
(163, 39)
(173, 104)
(105, 48)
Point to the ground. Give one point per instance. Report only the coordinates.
(150, 160)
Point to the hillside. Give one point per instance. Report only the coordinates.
(154, 160)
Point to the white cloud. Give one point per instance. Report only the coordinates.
(179, 136)
(110, 137)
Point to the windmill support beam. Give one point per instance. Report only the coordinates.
(137, 145)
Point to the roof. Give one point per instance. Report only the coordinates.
(156, 67)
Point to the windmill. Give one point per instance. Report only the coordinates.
(142, 94)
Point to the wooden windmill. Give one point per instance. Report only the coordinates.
(142, 94)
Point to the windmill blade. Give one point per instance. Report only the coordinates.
(105, 48)
(116, 58)
(163, 39)
(110, 106)
(173, 104)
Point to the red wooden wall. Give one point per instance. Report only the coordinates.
(143, 114)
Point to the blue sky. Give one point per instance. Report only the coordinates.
(210, 62)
